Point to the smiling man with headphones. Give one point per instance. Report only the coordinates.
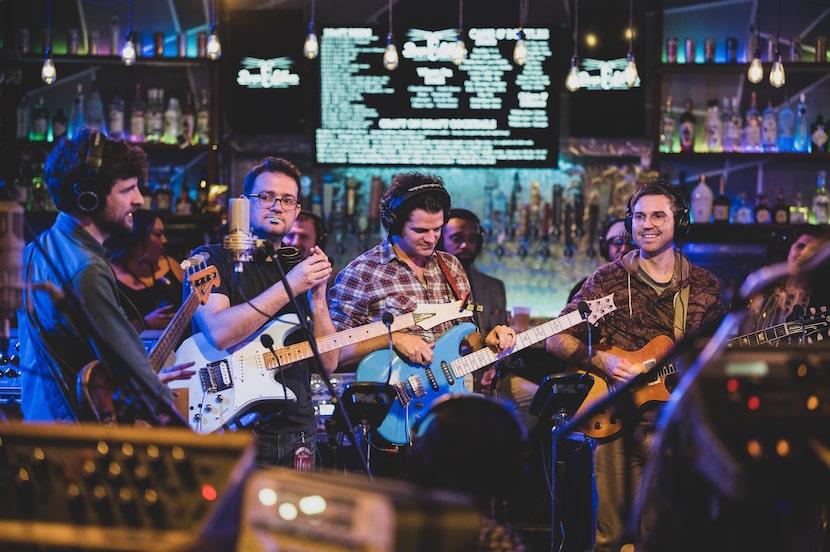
(660, 296)
(94, 182)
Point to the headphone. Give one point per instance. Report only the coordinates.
(396, 197)
(319, 227)
(677, 195)
(466, 214)
(89, 194)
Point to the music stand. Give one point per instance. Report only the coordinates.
(558, 398)
(369, 402)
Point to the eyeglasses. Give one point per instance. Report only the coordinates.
(267, 200)
(619, 242)
(657, 219)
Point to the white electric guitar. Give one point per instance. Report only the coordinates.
(231, 385)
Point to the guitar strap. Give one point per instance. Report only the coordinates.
(446, 270)
(681, 306)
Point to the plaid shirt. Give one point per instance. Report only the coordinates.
(378, 281)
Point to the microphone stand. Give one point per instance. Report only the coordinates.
(318, 366)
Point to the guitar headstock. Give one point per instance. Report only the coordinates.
(600, 307)
(429, 315)
(201, 276)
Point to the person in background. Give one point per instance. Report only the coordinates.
(71, 316)
(791, 297)
(244, 302)
(614, 242)
(308, 230)
(150, 281)
(658, 292)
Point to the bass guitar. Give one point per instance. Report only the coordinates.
(604, 424)
(229, 385)
(95, 388)
(809, 325)
(418, 386)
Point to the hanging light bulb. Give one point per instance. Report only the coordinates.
(128, 50)
(572, 80)
(48, 73)
(390, 55)
(631, 75)
(311, 47)
(214, 47)
(520, 50)
(755, 74)
(776, 75)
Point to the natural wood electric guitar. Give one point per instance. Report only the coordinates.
(95, 388)
(808, 326)
(604, 424)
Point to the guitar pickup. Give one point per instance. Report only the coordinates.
(216, 377)
(417, 386)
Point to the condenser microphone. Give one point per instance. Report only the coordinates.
(239, 241)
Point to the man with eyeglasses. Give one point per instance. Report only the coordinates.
(658, 292)
(244, 302)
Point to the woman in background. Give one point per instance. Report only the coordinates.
(150, 281)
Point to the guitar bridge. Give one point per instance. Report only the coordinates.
(416, 386)
(216, 377)
(403, 396)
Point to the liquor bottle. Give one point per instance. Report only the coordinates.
(203, 119)
(725, 120)
(688, 124)
(801, 141)
(147, 197)
(799, 213)
(164, 197)
(751, 142)
(40, 121)
(818, 135)
(702, 198)
(116, 116)
(714, 128)
(786, 128)
(721, 206)
(735, 127)
(769, 129)
(60, 124)
(188, 121)
(172, 121)
(153, 116)
(763, 215)
(781, 210)
(185, 204)
(667, 128)
(137, 116)
(821, 202)
(76, 113)
(202, 196)
(94, 109)
(742, 214)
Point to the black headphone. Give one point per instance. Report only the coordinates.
(89, 194)
(319, 227)
(395, 198)
(677, 195)
(603, 237)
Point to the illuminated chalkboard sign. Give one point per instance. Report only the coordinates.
(487, 111)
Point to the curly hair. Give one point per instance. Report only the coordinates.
(67, 164)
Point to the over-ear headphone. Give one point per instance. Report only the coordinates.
(89, 194)
(603, 237)
(319, 227)
(396, 197)
(677, 196)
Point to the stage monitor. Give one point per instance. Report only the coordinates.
(486, 111)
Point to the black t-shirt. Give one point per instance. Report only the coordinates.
(257, 276)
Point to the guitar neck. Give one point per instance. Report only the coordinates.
(484, 357)
(174, 330)
(335, 341)
(767, 335)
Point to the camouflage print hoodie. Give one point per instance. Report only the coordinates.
(641, 313)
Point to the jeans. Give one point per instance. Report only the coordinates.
(277, 449)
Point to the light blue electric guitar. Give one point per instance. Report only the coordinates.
(417, 386)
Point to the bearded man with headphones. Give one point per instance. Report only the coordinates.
(94, 182)
(405, 270)
(658, 292)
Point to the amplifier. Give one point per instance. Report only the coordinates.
(321, 397)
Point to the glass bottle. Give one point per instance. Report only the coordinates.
(188, 121)
(95, 109)
(799, 213)
(769, 129)
(137, 116)
(725, 120)
(742, 214)
(688, 124)
(40, 121)
(818, 135)
(734, 128)
(781, 210)
(76, 114)
(721, 205)
(751, 142)
(786, 128)
(821, 202)
(702, 199)
(185, 204)
(714, 129)
(801, 141)
(667, 128)
(172, 121)
(763, 215)
(60, 124)
(116, 116)
(203, 119)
